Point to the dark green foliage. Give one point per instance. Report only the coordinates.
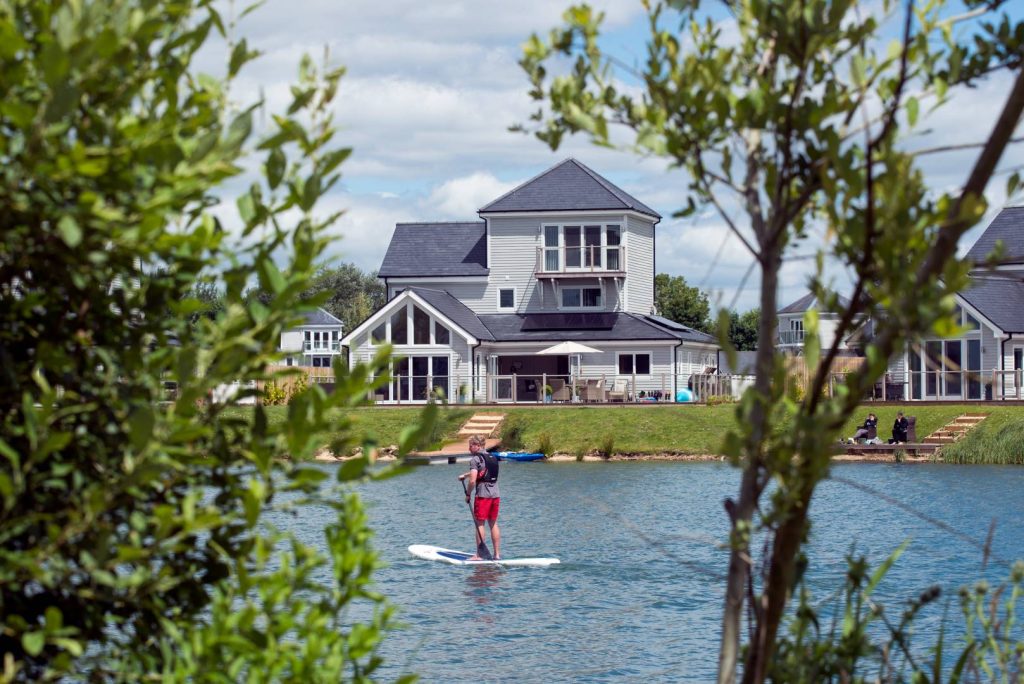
(607, 445)
(743, 329)
(131, 534)
(544, 444)
(676, 300)
(343, 291)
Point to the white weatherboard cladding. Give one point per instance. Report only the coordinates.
(291, 341)
(472, 294)
(512, 259)
(639, 239)
(512, 254)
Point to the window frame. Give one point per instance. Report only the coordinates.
(432, 322)
(581, 307)
(601, 247)
(633, 354)
(514, 302)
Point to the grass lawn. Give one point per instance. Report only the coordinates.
(687, 429)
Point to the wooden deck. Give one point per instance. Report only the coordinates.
(911, 448)
(457, 452)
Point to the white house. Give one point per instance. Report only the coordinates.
(315, 343)
(791, 327)
(565, 257)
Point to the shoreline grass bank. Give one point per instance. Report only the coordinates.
(676, 432)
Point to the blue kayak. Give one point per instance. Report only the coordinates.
(516, 456)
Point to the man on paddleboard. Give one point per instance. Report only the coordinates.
(483, 480)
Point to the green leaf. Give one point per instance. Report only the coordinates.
(238, 132)
(69, 231)
(33, 642)
(882, 569)
(270, 276)
(141, 423)
(276, 165)
(913, 107)
(239, 56)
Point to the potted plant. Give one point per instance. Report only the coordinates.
(463, 393)
(547, 394)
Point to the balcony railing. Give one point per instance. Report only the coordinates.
(588, 259)
(323, 346)
(791, 337)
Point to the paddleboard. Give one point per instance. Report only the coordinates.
(436, 553)
(516, 456)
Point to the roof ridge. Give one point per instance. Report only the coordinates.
(607, 184)
(474, 222)
(526, 182)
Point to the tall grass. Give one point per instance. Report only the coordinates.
(994, 444)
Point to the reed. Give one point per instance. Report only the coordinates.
(1001, 444)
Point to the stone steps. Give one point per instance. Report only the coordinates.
(485, 424)
(955, 429)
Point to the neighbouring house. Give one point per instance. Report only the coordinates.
(475, 309)
(315, 343)
(984, 361)
(791, 327)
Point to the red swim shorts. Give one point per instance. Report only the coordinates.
(486, 509)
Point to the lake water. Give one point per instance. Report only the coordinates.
(639, 592)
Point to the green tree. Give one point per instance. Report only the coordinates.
(799, 121)
(133, 539)
(344, 291)
(743, 329)
(676, 300)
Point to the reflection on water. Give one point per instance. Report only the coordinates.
(645, 609)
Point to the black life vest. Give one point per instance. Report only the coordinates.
(491, 463)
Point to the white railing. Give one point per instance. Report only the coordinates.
(582, 259)
(791, 337)
(323, 346)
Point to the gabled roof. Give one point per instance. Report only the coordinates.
(1000, 299)
(568, 186)
(810, 301)
(320, 317)
(457, 312)
(1008, 228)
(436, 249)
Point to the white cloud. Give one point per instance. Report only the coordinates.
(461, 197)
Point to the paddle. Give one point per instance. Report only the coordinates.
(481, 546)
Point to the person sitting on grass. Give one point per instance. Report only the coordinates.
(868, 431)
(899, 429)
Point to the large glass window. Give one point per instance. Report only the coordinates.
(441, 334)
(974, 369)
(592, 244)
(420, 326)
(952, 362)
(573, 258)
(399, 327)
(614, 238)
(379, 335)
(551, 260)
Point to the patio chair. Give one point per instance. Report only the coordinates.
(619, 390)
(593, 391)
(559, 390)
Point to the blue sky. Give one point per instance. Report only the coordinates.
(432, 88)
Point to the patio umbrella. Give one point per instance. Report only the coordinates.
(569, 348)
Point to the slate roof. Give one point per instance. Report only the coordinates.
(1007, 227)
(457, 312)
(321, 317)
(436, 249)
(683, 332)
(807, 302)
(568, 186)
(999, 299)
